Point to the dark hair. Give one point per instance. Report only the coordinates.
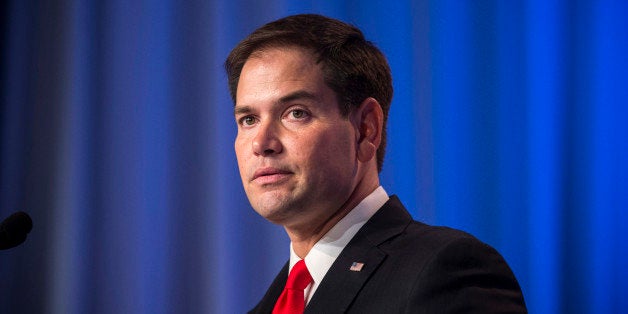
(352, 66)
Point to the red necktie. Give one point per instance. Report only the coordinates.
(292, 299)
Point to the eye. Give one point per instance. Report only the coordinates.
(247, 120)
(298, 114)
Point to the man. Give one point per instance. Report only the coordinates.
(311, 98)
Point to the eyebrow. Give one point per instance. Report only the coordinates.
(300, 94)
(241, 110)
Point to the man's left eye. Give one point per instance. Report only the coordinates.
(298, 113)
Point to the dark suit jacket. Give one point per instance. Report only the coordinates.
(410, 267)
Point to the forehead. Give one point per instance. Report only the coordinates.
(274, 72)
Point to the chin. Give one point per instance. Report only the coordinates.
(276, 216)
(269, 207)
(276, 209)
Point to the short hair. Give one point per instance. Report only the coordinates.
(353, 67)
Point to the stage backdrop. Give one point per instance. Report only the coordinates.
(509, 121)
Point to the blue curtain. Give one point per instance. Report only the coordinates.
(510, 121)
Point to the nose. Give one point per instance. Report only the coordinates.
(266, 142)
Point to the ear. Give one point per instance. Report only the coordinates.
(369, 121)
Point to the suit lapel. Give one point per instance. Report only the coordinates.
(341, 285)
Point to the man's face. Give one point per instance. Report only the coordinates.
(296, 153)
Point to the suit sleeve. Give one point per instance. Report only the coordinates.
(466, 276)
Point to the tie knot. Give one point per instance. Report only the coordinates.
(299, 276)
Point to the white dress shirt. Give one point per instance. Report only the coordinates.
(326, 250)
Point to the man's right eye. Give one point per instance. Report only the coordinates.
(247, 120)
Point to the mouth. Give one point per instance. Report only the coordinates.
(270, 175)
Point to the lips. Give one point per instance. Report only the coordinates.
(270, 175)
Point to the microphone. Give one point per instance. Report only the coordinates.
(13, 230)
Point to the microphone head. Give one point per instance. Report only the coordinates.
(14, 229)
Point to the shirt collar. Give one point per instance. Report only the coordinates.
(326, 250)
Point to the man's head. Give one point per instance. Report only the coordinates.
(352, 66)
(309, 122)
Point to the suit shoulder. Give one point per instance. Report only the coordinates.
(394, 231)
(435, 238)
(440, 265)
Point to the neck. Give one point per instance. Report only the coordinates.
(303, 238)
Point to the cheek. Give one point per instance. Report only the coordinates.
(328, 152)
(240, 154)
(237, 147)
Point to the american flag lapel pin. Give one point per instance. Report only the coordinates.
(355, 266)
